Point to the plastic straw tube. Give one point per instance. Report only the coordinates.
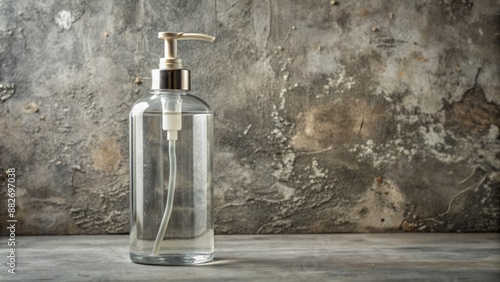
(170, 197)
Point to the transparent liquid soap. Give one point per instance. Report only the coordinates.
(189, 236)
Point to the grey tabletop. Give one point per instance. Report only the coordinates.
(359, 257)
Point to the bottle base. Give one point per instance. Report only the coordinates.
(171, 259)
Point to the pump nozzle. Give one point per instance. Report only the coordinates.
(170, 61)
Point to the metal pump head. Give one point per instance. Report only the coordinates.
(171, 75)
(170, 61)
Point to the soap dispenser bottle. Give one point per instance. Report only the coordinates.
(171, 138)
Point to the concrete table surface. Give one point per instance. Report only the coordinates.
(360, 257)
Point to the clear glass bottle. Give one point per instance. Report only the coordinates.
(171, 139)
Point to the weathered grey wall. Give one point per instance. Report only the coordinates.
(356, 117)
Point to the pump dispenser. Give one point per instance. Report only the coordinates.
(171, 136)
(170, 74)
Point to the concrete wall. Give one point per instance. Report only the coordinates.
(363, 116)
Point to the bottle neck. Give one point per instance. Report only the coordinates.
(168, 92)
(163, 79)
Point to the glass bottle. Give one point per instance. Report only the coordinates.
(171, 192)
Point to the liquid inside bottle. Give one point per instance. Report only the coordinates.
(189, 236)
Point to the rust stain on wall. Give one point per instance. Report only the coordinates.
(473, 114)
(106, 155)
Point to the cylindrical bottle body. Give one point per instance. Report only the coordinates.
(189, 235)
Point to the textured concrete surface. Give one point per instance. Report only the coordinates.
(334, 257)
(363, 116)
